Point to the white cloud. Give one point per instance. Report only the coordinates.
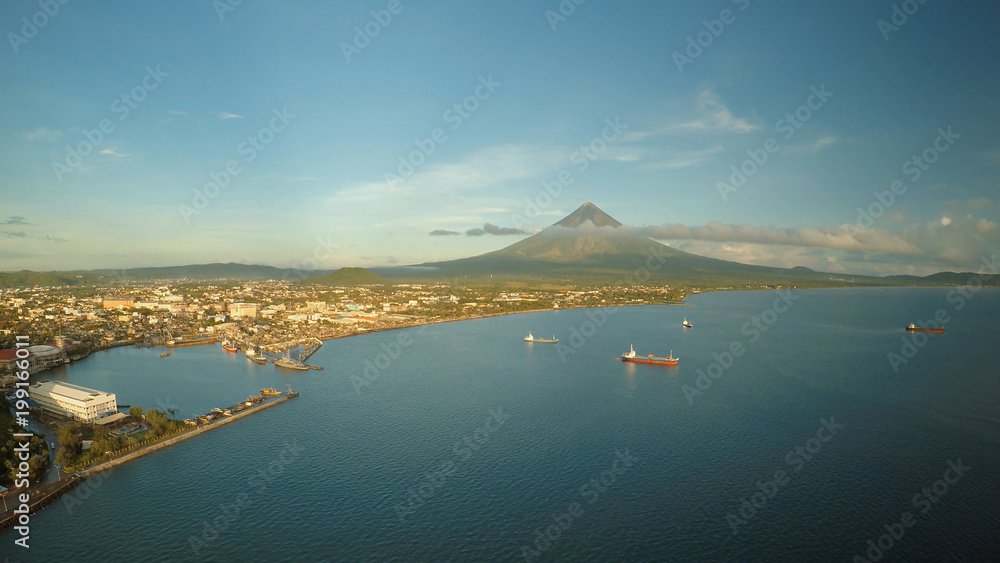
(176, 112)
(490, 167)
(227, 115)
(113, 151)
(672, 160)
(815, 146)
(42, 134)
(713, 115)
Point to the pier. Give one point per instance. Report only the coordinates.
(49, 493)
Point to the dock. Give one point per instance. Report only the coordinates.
(51, 492)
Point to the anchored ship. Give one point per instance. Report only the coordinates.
(228, 346)
(686, 324)
(631, 356)
(289, 363)
(531, 338)
(178, 342)
(914, 328)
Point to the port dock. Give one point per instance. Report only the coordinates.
(48, 493)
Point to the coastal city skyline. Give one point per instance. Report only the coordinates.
(375, 135)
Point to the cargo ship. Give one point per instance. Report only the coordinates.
(178, 342)
(686, 324)
(531, 338)
(228, 346)
(631, 356)
(289, 363)
(915, 328)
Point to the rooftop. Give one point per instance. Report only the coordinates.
(69, 391)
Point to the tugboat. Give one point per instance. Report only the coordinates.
(631, 356)
(915, 328)
(531, 338)
(270, 391)
(686, 324)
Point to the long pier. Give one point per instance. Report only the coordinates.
(42, 498)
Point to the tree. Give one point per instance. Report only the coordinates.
(135, 413)
(158, 423)
(70, 440)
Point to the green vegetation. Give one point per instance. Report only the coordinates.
(347, 277)
(38, 463)
(71, 437)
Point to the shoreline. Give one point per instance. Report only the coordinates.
(46, 496)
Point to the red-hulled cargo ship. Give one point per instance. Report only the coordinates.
(631, 356)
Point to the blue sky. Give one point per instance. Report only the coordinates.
(313, 119)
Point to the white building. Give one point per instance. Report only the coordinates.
(67, 399)
(239, 310)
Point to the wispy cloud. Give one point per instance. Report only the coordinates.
(490, 167)
(672, 160)
(227, 115)
(14, 220)
(113, 151)
(443, 233)
(491, 229)
(815, 146)
(176, 112)
(42, 134)
(713, 115)
(24, 235)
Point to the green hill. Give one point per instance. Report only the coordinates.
(27, 278)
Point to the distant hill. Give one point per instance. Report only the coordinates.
(589, 243)
(946, 278)
(27, 278)
(215, 271)
(347, 277)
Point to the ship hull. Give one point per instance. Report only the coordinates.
(651, 361)
(190, 343)
(918, 329)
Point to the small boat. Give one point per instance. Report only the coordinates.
(531, 338)
(258, 360)
(915, 328)
(631, 356)
(165, 354)
(686, 324)
(270, 391)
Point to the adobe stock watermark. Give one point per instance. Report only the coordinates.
(566, 8)
(580, 159)
(371, 29)
(912, 342)
(429, 483)
(753, 329)
(547, 534)
(787, 126)
(48, 10)
(697, 44)
(455, 116)
(899, 17)
(249, 149)
(390, 352)
(258, 483)
(796, 459)
(922, 501)
(598, 317)
(121, 106)
(914, 168)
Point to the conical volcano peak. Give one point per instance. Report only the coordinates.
(588, 212)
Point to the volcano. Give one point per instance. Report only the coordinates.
(590, 243)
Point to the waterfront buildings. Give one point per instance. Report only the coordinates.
(67, 399)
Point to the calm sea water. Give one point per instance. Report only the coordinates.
(471, 445)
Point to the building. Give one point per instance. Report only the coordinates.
(239, 310)
(40, 357)
(71, 400)
(115, 302)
